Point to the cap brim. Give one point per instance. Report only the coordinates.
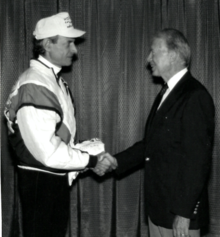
(74, 33)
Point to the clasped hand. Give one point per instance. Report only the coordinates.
(106, 163)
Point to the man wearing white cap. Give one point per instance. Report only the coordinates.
(41, 111)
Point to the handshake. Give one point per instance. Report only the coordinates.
(106, 163)
(96, 147)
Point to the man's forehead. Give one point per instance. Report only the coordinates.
(159, 43)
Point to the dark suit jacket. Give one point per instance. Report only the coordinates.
(176, 151)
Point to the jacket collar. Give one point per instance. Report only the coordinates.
(49, 64)
(43, 68)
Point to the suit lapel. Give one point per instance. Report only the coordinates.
(177, 92)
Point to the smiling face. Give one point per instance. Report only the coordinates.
(61, 53)
(159, 59)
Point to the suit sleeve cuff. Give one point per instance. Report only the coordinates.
(92, 161)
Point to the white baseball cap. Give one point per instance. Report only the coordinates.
(59, 24)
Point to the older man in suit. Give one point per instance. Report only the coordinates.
(177, 147)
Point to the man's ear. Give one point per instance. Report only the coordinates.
(173, 56)
(47, 44)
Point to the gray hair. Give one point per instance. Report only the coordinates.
(38, 48)
(176, 41)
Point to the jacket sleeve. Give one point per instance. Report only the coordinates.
(38, 112)
(37, 127)
(130, 158)
(197, 132)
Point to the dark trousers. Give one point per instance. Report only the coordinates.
(45, 201)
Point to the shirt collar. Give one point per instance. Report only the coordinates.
(176, 78)
(49, 64)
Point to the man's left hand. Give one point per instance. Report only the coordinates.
(181, 226)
